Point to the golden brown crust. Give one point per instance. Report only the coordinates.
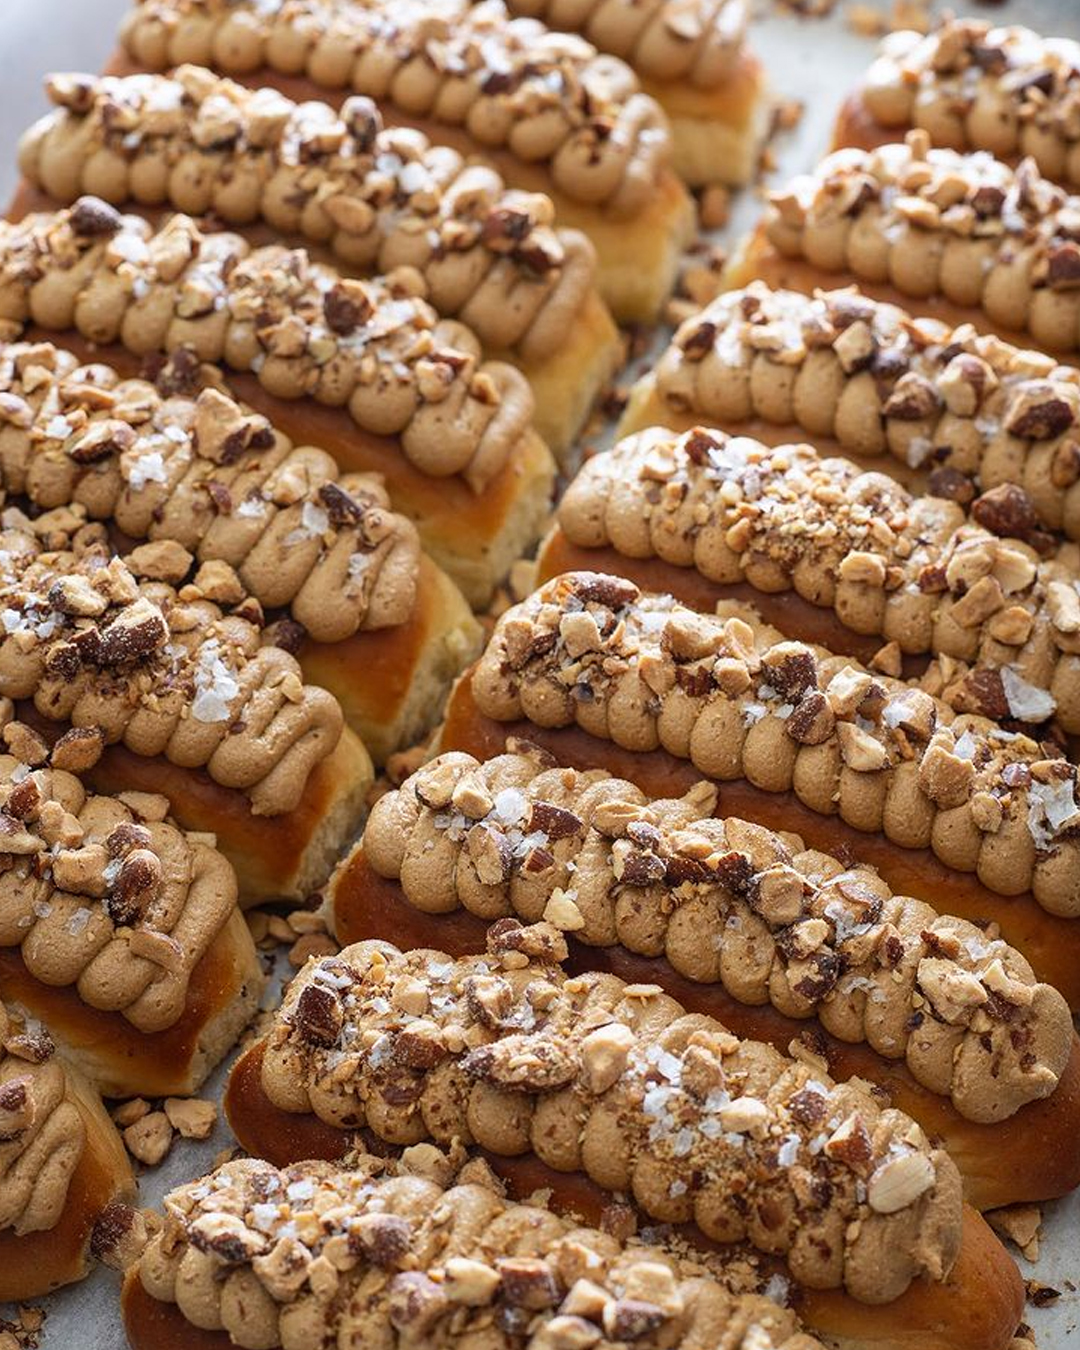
(122, 908)
(287, 1257)
(726, 902)
(917, 571)
(937, 223)
(964, 411)
(137, 664)
(371, 345)
(61, 1163)
(550, 98)
(381, 198)
(972, 86)
(207, 483)
(618, 1081)
(739, 702)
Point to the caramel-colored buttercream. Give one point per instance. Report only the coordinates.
(373, 346)
(728, 902)
(972, 86)
(737, 701)
(618, 1081)
(42, 1133)
(422, 1251)
(381, 198)
(987, 589)
(164, 675)
(509, 82)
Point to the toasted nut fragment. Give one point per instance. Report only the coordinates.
(26, 745)
(527, 1282)
(150, 1138)
(743, 1115)
(311, 944)
(470, 1282)
(75, 595)
(604, 1055)
(471, 797)
(846, 691)
(860, 751)
(899, 1182)
(191, 1117)
(161, 560)
(385, 1238)
(416, 1302)
(218, 582)
(944, 777)
(127, 1113)
(490, 853)
(813, 721)
(850, 1143)
(318, 1015)
(435, 784)
(563, 913)
(951, 990)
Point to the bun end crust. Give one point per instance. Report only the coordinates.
(977, 1307)
(390, 682)
(717, 132)
(286, 856)
(121, 1061)
(857, 128)
(78, 1163)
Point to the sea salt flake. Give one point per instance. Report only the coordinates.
(215, 684)
(1026, 701)
(149, 468)
(78, 921)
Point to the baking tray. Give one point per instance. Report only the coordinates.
(812, 60)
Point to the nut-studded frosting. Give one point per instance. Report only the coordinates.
(103, 893)
(373, 346)
(208, 484)
(969, 411)
(971, 86)
(729, 902)
(411, 1253)
(42, 1134)
(506, 1051)
(511, 84)
(987, 588)
(738, 701)
(382, 198)
(696, 40)
(163, 673)
(935, 222)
